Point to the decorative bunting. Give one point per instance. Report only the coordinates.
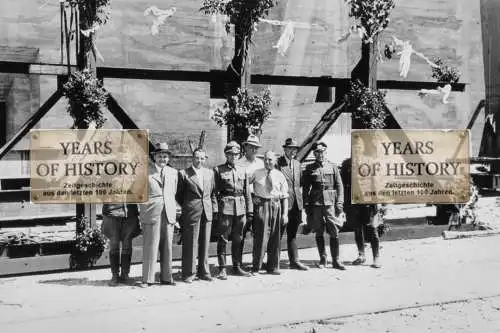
(161, 17)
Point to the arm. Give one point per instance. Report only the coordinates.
(306, 181)
(339, 187)
(179, 195)
(284, 200)
(248, 195)
(213, 196)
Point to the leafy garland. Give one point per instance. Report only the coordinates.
(89, 245)
(96, 12)
(244, 110)
(368, 104)
(372, 16)
(444, 73)
(86, 98)
(246, 12)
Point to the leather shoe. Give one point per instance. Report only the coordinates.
(188, 279)
(205, 278)
(338, 265)
(222, 274)
(238, 271)
(144, 285)
(299, 266)
(273, 272)
(168, 283)
(360, 260)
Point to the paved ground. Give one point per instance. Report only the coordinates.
(415, 273)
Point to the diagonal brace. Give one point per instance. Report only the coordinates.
(31, 122)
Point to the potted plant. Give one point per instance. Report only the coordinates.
(89, 245)
(245, 112)
(21, 245)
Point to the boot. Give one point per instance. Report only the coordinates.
(320, 242)
(114, 262)
(334, 249)
(126, 258)
(221, 258)
(293, 257)
(376, 256)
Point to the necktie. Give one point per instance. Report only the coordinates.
(162, 174)
(269, 183)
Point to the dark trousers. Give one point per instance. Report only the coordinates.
(294, 220)
(195, 241)
(371, 232)
(267, 220)
(320, 219)
(230, 227)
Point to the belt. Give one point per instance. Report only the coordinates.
(261, 200)
(323, 187)
(228, 194)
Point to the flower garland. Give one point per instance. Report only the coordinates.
(371, 17)
(369, 105)
(86, 98)
(244, 110)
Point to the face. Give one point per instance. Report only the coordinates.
(161, 158)
(290, 152)
(320, 155)
(199, 159)
(230, 158)
(251, 151)
(269, 160)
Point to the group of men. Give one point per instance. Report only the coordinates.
(243, 194)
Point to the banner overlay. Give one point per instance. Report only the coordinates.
(410, 166)
(89, 166)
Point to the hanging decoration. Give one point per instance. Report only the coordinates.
(371, 17)
(161, 16)
(444, 91)
(404, 50)
(288, 34)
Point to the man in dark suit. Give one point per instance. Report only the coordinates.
(291, 168)
(196, 195)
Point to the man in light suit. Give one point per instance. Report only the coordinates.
(291, 168)
(158, 218)
(197, 197)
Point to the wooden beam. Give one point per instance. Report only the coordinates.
(15, 196)
(480, 106)
(43, 264)
(28, 125)
(327, 120)
(212, 76)
(123, 118)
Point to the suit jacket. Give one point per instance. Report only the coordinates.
(162, 194)
(196, 199)
(293, 176)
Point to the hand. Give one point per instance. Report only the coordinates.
(249, 217)
(338, 210)
(284, 219)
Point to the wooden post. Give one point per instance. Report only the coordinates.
(490, 11)
(366, 70)
(86, 60)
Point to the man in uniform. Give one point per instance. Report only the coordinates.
(323, 201)
(270, 212)
(235, 203)
(120, 225)
(291, 169)
(249, 163)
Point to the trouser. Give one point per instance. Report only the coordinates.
(119, 231)
(320, 219)
(196, 239)
(267, 223)
(294, 220)
(157, 237)
(372, 235)
(230, 228)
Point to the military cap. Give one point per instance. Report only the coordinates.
(232, 147)
(319, 146)
(291, 143)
